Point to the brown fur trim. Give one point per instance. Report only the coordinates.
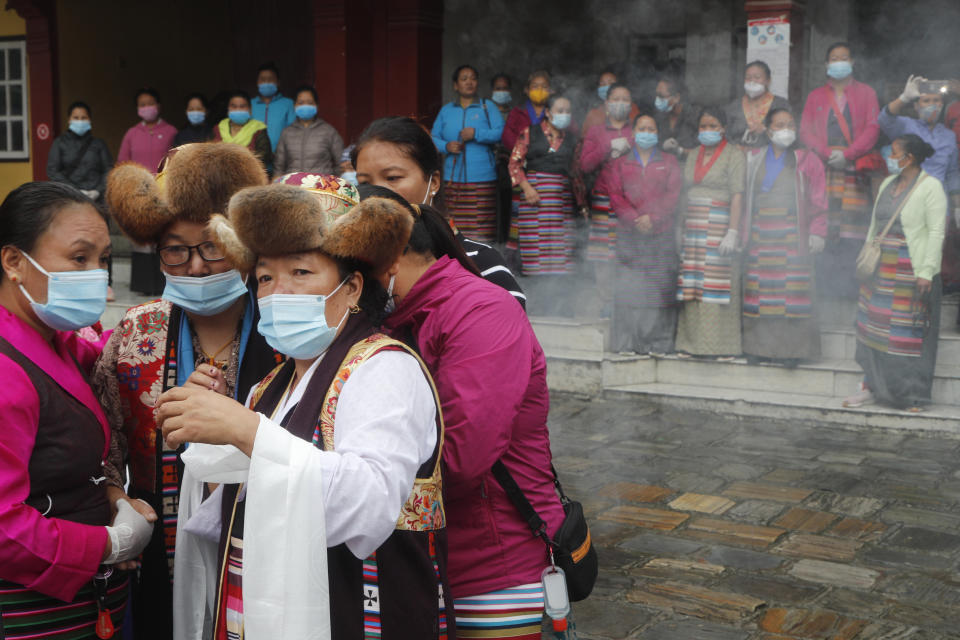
(136, 203)
(278, 219)
(198, 180)
(225, 237)
(375, 231)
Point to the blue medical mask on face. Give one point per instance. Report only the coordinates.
(662, 104)
(80, 127)
(560, 120)
(196, 117)
(296, 325)
(239, 117)
(646, 139)
(893, 166)
(602, 91)
(929, 112)
(502, 97)
(710, 138)
(351, 177)
(206, 296)
(840, 69)
(305, 111)
(75, 299)
(267, 89)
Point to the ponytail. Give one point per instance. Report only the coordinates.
(432, 234)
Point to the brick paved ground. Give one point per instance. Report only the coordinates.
(718, 529)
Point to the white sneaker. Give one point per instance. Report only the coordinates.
(859, 399)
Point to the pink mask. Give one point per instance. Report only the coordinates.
(149, 113)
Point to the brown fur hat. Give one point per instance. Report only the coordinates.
(376, 231)
(273, 220)
(196, 181)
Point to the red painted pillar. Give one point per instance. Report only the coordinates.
(414, 58)
(330, 60)
(40, 16)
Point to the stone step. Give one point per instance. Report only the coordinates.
(790, 407)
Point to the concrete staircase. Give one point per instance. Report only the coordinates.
(579, 362)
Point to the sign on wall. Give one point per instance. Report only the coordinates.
(768, 39)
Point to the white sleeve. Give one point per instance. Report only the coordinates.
(385, 430)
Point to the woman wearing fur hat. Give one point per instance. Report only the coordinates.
(491, 379)
(200, 334)
(347, 431)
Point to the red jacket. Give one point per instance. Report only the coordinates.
(864, 111)
(491, 376)
(596, 153)
(653, 190)
(517, 122)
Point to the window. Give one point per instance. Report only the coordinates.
(14, 134)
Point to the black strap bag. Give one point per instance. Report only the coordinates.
(573, 550)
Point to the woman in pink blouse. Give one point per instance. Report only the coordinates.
(147, 142)
(56, 545)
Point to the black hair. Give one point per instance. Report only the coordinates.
(837, 45)
(238, 93)
(79, 104)
(768, 120)
(456, 72)
(373, 297)
(615, 86)
(606, 70)
(308, 89)
(430, 234)
(716, 111)
(554, 97)
(202, 98)
(407, 134)
(763, 66)
(644, 111)
(539, 73)
(677, 87)
(148, 91)
(915, 146)
(497, 76)
(28, 211)
(269, 66)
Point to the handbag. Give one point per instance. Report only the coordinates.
(573, 549)
(869, 257)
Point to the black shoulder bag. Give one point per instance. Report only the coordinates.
(573, 549)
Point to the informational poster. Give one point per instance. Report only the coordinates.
(768, 39)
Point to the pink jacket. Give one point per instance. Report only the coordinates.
(596, 153)
(53, 556)
(492, 379)
(864, 111)
(811, 196)
(653, 190)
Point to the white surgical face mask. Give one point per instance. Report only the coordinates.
(783, 138)
(391, 304)
(754, 89)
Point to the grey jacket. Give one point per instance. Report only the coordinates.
(90, 172)
(315, 148)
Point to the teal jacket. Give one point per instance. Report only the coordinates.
(924, 221)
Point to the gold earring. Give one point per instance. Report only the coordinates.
(355, 309)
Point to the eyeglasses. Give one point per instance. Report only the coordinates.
(177, 254)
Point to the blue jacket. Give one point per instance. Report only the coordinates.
(476, 163)
(278, 115)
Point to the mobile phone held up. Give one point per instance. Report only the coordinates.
(934, 86)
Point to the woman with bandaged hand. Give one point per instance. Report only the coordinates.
(63, 531)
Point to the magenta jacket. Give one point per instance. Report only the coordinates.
(491, 375)
(596, 153)
(864, 111)
(53, 556)
(653, 190)
(811, 196)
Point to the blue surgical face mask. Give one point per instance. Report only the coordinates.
(240, 117)
(305, 111)
(929, 112)
(351, 177)
(560, 120)
(391, 305)
(296, 325)
(602, 91)
(662, 104)
(80, 127)
(893, 166)
(645, 139)
(710, 138)
(206, 296)
(75, 299)
(840, 69)
(502, 97)
(267, 89)
(196, 117)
